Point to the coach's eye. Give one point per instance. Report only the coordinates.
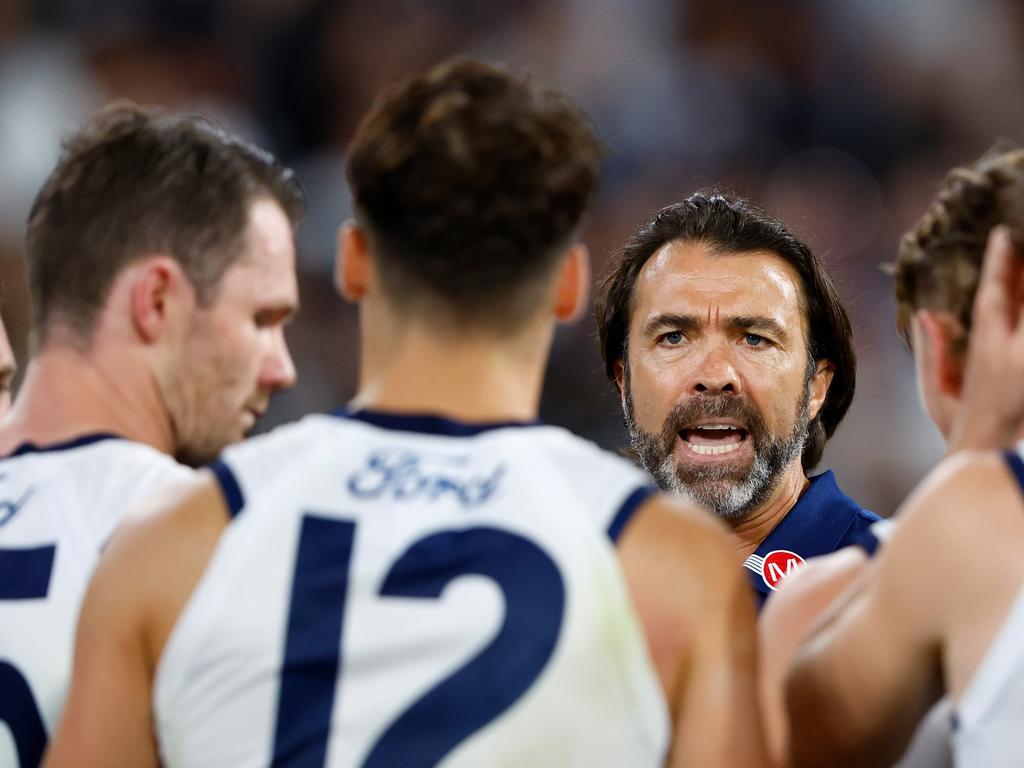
(754, 340)
(673, 338)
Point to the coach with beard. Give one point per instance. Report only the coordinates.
(734, 361)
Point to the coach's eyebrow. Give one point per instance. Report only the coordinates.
(671, 321)
(755, 323)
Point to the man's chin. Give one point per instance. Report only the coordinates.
(726, 500)
(724, 491)
(721, 474)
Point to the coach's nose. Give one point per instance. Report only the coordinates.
(715, 372)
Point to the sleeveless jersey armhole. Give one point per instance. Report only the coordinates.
(229, 487)
(627, 509)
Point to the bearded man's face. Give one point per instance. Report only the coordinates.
(717, 386)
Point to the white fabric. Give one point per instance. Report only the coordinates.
(73, 499)
(596, 702)
(931, 745)
(990, 713)
(991, 710)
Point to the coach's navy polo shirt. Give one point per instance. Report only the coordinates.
(823, 520)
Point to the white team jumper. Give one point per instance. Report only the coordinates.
(990, 712)
(410, 591)
(58, 506)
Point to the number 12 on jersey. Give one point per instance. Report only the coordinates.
(462, 703)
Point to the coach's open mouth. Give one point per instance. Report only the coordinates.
(714, 438)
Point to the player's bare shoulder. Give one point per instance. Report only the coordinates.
(157, 556)
(973, 491)
(682, 570)
(964, 529)
(698, 616)
(688, 546)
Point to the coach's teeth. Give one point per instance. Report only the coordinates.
(707, 450)
(715, 426)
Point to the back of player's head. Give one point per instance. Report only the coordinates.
(471, 182)
(728, 225)
(136, 182)
(939, 262)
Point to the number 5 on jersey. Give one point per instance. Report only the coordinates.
(24, 575)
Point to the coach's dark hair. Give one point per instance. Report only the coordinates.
(728, 226)
(471, 182)
(136, 182)
(939, 262)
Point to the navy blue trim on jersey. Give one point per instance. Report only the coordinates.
(229, 486)
(25, 573)
(429, 424)
(626, 510)
(1016, 465)
(823, 520)
(65, 445)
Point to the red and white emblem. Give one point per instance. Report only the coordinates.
(780, 564)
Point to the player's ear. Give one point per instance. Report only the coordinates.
(939, 332)
(821, 380)
(159, 295)
(573, 287)
(352, 268)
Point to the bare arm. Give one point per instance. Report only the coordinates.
(106, 720)
(876, 663)
(786, 620)
(142, 582)
(698, 616)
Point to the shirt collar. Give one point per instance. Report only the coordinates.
(64, 445)
(427, 423)
(816, 524)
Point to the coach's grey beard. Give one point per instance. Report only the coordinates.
(717, 488)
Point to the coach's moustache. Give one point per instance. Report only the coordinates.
(702, 408)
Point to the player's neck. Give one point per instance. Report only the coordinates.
(475, 379)
(69, 392)
(752, 530)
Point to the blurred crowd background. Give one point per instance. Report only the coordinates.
(840, 117)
